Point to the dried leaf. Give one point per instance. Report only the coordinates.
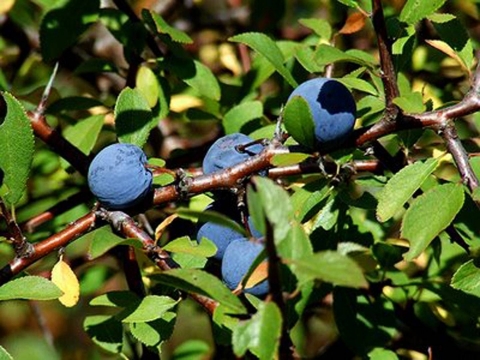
(355, 22)
(66, 280)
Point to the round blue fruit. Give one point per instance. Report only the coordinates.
(237, 259)
(332, 106)
(224, 153)
(118, 178)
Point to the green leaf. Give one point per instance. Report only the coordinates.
(401, 187)
(298, 121)
(288, 159)
(321, 27)
(101, 241)
(239, 115)
(382, 354)
(61, 27)
(120, 298)
(204, 248)
(200, 282)
(30, 288)
(162, 27)
(327, 217)
(358, 84)
(196, 75)
(416, 10)
(270, 195)
(73, 103)
(327, 54)
(105, 331)
(213, 216)
(429, 215)
(147, 83)
(265, 46)
(16, 137)
(84, 134)
(151, 307)
(411, 103)
(133, 117)
(153, 333)
(261, 334)
(4, 355)
(467, 278)
(330, 266)
(192, 350)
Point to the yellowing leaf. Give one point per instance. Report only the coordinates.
(447, 49)
(258, 275)
(6, 5)
(163, 225)
(182, 102)
(66, 280)
(355, 22)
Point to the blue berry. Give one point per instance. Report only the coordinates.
(223, 152)
(237, 259)
(221, 235)
(332, 105)
(118, 178)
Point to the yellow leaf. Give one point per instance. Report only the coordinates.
(64, 277)
(182, 102)
(258, 275)
(163, 225)
(6, 5)
(446, 49)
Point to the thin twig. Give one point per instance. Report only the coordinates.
(20, 244)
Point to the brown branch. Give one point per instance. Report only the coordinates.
(47, 246)
(59, 208)
(460, 156)
(58, 143)
(20, 244)
(389, 77)
(125, 225)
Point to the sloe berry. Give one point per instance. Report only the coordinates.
(224, 153)
(237, 259)
(118, 178)
(332, 106)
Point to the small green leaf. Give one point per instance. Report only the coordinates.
(415, 10)
(382, 354)
(358, 84)
(429, 215)
(148, 86)
(265, 46)
(467, 278)
(298, 121)
(196, 75)
(101, 241)
(239, 115)
(30, 288)
(289, 159)
(204, 248)
(153, 333)
(401, 187)
(321, 27)
(411, 103)
(105, 331)
(16, 137)
(120, 298)
(4, 355)
(270, 195)
(162, 27)
(200, 282)
(84, 134)
(330, 266)
(151, 307)
(133, 117)
(62, 26)
(261, 334)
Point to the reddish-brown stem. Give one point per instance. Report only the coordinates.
(20, 244)
(389, 77)
(47, 246)
(55, 210)
(125, 225)
(58, 143)
(459, 154)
